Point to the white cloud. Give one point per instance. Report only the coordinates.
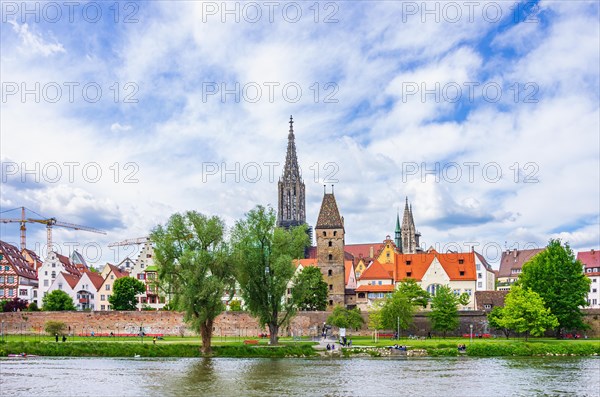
(34, 42)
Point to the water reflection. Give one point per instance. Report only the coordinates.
(460, 376)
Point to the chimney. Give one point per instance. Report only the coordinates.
(371, 252)
(515, 252)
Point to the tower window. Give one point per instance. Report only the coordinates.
(330, 302)
(324, 233)
(329, 272)
(335, 233)
(330, 244)
(330, 287)
(330, 257)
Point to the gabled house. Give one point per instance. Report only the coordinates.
(18, 279)
(110, 273)
(54, 264)
(511, 265)
(153, 296)
(86, 290)
(591, 268)
(65, 282)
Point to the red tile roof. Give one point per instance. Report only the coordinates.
(375, 288)
(348, 269)
(376, 271)
(589, 258)
(96, 279)
(17, 261)
(363, 249)
(304, 262)
(116, 271)
(71, 279)
(329, 215)
(69, 267)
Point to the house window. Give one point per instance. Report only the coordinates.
(102, 297)
(6, 268)
(329, 272)
(487, 306)
(107, 287)
(11, 291)
(468, 291)
(461, 273)
(10, 280)
(478, 266)
(361, 295)
(432, 288)
(102, 307)
(59, 286)
(53, 264)
(479, 284)
(330, 257)
(45, 283)
(593, 280)
(112, 276)
(479, 275)
(330, 243)
(22, 292)
(379, 282)
(594, 301)
(594, 290)
(456, 292)
(2, 280)
(53, 275)
(46, 273)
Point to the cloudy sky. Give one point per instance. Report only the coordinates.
(485, 114)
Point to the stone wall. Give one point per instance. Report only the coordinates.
(227, 324)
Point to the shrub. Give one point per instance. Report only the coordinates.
(55, 327)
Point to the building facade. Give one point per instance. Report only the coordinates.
(591, 268)
(511, 265)
(18, 279)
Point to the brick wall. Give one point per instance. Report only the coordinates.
(227, 324)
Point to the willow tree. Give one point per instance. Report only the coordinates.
(192, 259)
(263, 257)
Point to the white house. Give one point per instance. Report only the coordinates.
(54, 264)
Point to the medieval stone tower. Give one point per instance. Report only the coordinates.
(407, 237)
(291, 197)
(329, 232)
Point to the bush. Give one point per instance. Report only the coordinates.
(55, 327)
(33, 307)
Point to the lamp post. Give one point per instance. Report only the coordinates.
(471, 333)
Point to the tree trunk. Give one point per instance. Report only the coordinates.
(273, 333)
(526, 335)
(206, 333)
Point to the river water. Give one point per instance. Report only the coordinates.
(461, 376)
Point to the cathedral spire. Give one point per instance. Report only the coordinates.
(398, 232)
(291, 195)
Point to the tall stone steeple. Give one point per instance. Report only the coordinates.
(398, 232)
(409, 235)
(291, 196)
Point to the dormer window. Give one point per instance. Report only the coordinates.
(408, 263)
(408, 274)
(462, 273)
(461, 261)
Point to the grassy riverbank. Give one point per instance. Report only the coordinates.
(363, 346)
(132, 349)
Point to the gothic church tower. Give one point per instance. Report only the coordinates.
(291, 197)
(409, 236)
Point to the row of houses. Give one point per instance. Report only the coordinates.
(24, 275)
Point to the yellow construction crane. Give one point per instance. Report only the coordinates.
(130, 241)
(49, 222)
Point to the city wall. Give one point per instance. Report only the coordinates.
(229, 324)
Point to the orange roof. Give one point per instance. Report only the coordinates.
(348, 268)
(305, 262)
(412, 265)
(115, 270)
(455, 263)
(375, 271)
(375, 288)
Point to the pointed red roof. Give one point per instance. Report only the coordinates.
(375, 271)
(71, 279)
(17, 261)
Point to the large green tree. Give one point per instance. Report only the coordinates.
(398, 309)
(263, 257)
(494, 318)
(124, 291)
(524, 311)
(558, 278)
(192, 260)
(342, 317)
(57, 300)
(309, 290)
(444, 309)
